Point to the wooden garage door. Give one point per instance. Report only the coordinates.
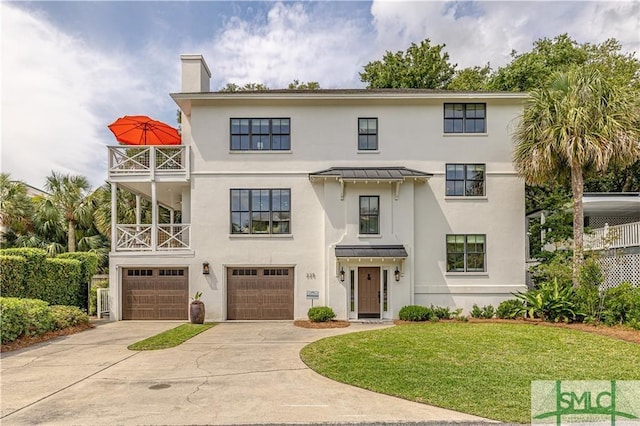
(260, 293)
(155, 294)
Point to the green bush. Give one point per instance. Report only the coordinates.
(510, 309)
(588, 298)
(622, 305)
(67, 316)
(551, 301)
(93, 295)
(88, 268)
(558, 266)
(416, 313)
(12, 275)
(34, 268)
(32, 317)
(321, 314)
(28, 317)
(484, 312)
(441, 312)
(62, 283)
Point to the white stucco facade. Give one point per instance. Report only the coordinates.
(414, 213)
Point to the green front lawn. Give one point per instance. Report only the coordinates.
(170, 338)
(484, 369)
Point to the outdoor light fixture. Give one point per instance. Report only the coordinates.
(205, 268)
(341, 274)
(397, 274)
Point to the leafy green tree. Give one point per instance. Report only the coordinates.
(471, 79)
(579, 125)
(297, 85)
(69, 197)
(422, 66)
(249, 87)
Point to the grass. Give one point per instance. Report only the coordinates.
(170, 338)
(481, 369)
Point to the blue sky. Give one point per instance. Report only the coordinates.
(71, 68)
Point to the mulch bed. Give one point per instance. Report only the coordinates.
(616, 332)
(27, 341)
(328, 324)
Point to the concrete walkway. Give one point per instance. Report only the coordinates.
(234, 373)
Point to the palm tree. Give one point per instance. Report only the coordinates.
(68, 195)
(583, 123)
(16, 208)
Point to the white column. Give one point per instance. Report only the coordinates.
(138, 212)
(154, 217)
(114, 216)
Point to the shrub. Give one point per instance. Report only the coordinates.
(589, 302)
(29, 317)
(622, 305)
(88, 268)
(416, 313)
(62, 283)
(557, 267)
(510, 309)
(485, 312)
(551, 301)
(34, 268)
(12, 275)
(67, 316)
(441, 312)
(93, 295)
(321, 314)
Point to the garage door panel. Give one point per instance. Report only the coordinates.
(155, 294)
(260, 293)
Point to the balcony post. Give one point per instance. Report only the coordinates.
(154, 216)
(114, 216)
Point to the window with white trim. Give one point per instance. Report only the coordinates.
(465, 180)
(260, 211)
(260, 134)
(466, 253)
(465, 118)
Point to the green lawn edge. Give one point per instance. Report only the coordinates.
(480, 369)
(170, 338)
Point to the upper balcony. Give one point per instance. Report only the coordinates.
(613, 237)
(148, 163)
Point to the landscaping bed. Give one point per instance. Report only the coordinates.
(26, 341)
(326, 324)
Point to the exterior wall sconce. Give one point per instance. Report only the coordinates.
(341, 274)
(396, 274)
(205, 268)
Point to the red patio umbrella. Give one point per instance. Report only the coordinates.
(142, 130)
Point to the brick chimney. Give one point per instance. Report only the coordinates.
(195, 74)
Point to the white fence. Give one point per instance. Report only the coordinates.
(103, 302)
(610, 237)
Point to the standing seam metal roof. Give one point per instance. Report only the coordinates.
(373, 173)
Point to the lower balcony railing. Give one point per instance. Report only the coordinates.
(174, 236)
(610, 237)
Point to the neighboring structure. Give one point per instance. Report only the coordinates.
(362, 200)
(612, 221)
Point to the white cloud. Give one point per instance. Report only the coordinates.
(478, 32)
(59, 94)
(289, 43)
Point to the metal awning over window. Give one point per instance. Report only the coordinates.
(362, 251)
(395, 175)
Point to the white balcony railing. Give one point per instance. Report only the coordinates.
(610, 237)
(147, 160)
(176, 236)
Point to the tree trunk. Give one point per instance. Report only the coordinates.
(577, 187)
(71, 237)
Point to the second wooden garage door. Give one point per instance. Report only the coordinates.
(260, 293)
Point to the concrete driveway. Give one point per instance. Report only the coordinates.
(234, 373)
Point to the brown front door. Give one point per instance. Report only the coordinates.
(368, 292)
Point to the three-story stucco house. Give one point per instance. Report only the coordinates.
(361, 200)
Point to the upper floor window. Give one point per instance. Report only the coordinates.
(260, 134)
(466, 253)
(465, 118)
(465, 180)
(369, 214)
(260, 211)
(367, 134)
